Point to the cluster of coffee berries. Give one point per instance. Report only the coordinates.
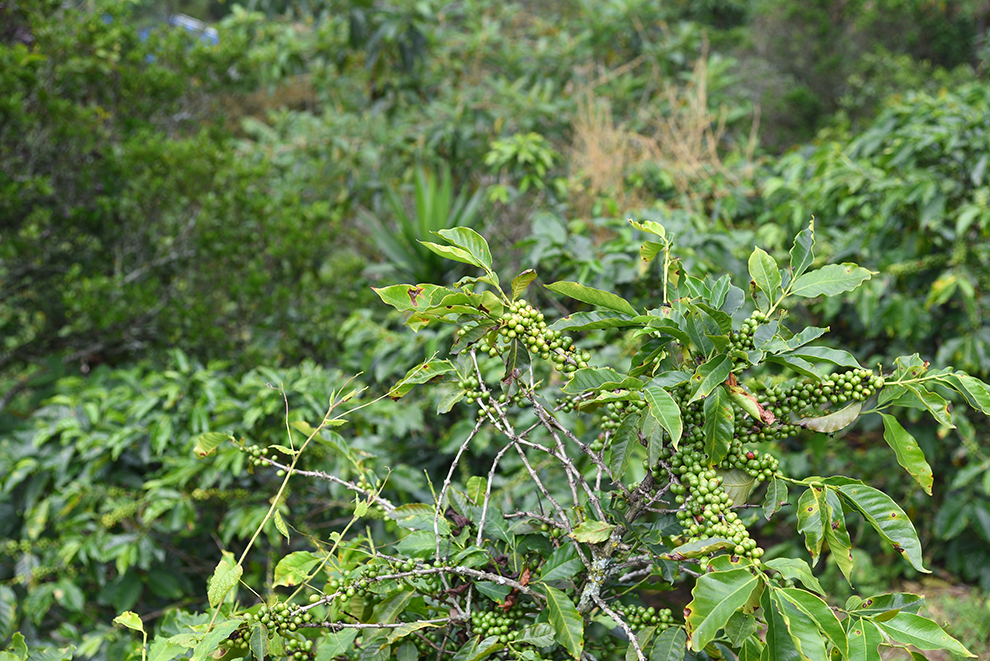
(255, 454)
(237, 641)
(644, 616)
(706, 508)
(760, 466)
(377, 510)
(119, 513)
(474, 393)
(494, 622)
(13, 547)
(524, 323)
(299, 649)
(741, 341)
(808, 397)
(280, 616)
(427, 643)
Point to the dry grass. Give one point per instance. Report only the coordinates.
(684, 137)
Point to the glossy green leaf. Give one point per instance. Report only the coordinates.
(620, 447)
(665, 411)
(764, 272)
(336, 644)
(389, 610)
(669, 645)
(453, 253)
(908, 454)
(801, 626)
(935, 403)
(220, 632)
(562, 564)
(864, 640)
(517, 361)
(775, 498)
(294, 568)
(802, 252)
(567, 623)
(976, 392)
(225, 577)
(839, 544)
(709, 375)
(886, 603)
(129, 619)
(830, 280)
(887, 518)
(591, 378)
(698, 548)
(718, 425)
(596, 297)
(592, 532)
(258, 641)
(780, 644)
(825, 354)
(811, 521)
(208, 442)
(422, 373)
(797, 570)
(472, 242)
(911, 629)
(412, 297)
(650, 226)
(833, 421)
(821, 613)
(593, 320)
(716, 596)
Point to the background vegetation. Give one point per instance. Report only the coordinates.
(185, 224)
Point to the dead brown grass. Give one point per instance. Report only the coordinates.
(684, 136)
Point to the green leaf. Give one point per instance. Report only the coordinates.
(708, 375)
(649, 226)
(697, 548)
(597, 297)
(472, 242)
(669, 645)
(562, 564)
(833, 421)
(422, 373)
(258, 641)
(802, 252)
(802, 628)
(798, 570)
(521, 282)
(592, 532)
(908, 454)
(401, 632)
(336, 644)
(864, 640)
(453, 253)
(764, 272)
(387, 611)
(665, 411)
(781, 645)
(621, 444)
(830, 280)
(976, 392)
(294, 568)
(517, 361)
(213, 639)
(719, 424)
(911, 629)
(716, 596)
(594, 320)
(590, 378)
(811, 521)
(567, 623)
(935, 403)
(886, 517)
(280, 524)
(776, 497)
(419, 516)
(824, 354)
(208, 442)
(839, 544)
(820, 612)
(537, 635)
(412, 297)
(225, 578)
(131, 620)
(885, 603)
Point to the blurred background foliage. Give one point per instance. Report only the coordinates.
(186, 223)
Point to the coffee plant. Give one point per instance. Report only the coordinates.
(608, 488)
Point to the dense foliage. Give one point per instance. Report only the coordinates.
(190, 225)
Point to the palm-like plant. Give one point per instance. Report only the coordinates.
(434, 208)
